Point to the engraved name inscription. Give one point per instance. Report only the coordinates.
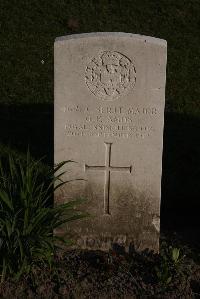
(110, 121)
(112, 110)
(109, 75)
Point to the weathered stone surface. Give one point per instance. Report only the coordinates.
(109, 116)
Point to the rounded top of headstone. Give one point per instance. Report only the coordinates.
(110, 62)
(142, 38)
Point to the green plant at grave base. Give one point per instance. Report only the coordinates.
(171, 265)
(27, 215)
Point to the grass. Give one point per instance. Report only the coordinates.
(27, 33)
(28, 30)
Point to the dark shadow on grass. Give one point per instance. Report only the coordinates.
(33, 125)
(28, 125)
(181, 173)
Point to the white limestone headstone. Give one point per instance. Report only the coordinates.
(109, 117)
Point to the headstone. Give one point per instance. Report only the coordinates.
(109, 117)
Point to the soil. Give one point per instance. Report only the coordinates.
(95, 274)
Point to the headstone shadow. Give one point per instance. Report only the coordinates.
(32, 125)
(180, 202)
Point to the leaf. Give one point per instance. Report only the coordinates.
(37, 220)
(61, 164)
(65, 182)
(69, 219)
(8, 227)
(5, 198)
(21, 248)
(4, 270)
(175, 254)
(168, 280)
(63, 240)
(24, 268)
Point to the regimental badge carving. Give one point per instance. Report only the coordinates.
(109, 75)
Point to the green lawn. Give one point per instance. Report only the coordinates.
(28, 29)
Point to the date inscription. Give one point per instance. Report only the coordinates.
(110, 121)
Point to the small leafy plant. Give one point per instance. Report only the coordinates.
(171, 262)
(27, 215)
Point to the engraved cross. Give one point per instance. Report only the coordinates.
(107, 168)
